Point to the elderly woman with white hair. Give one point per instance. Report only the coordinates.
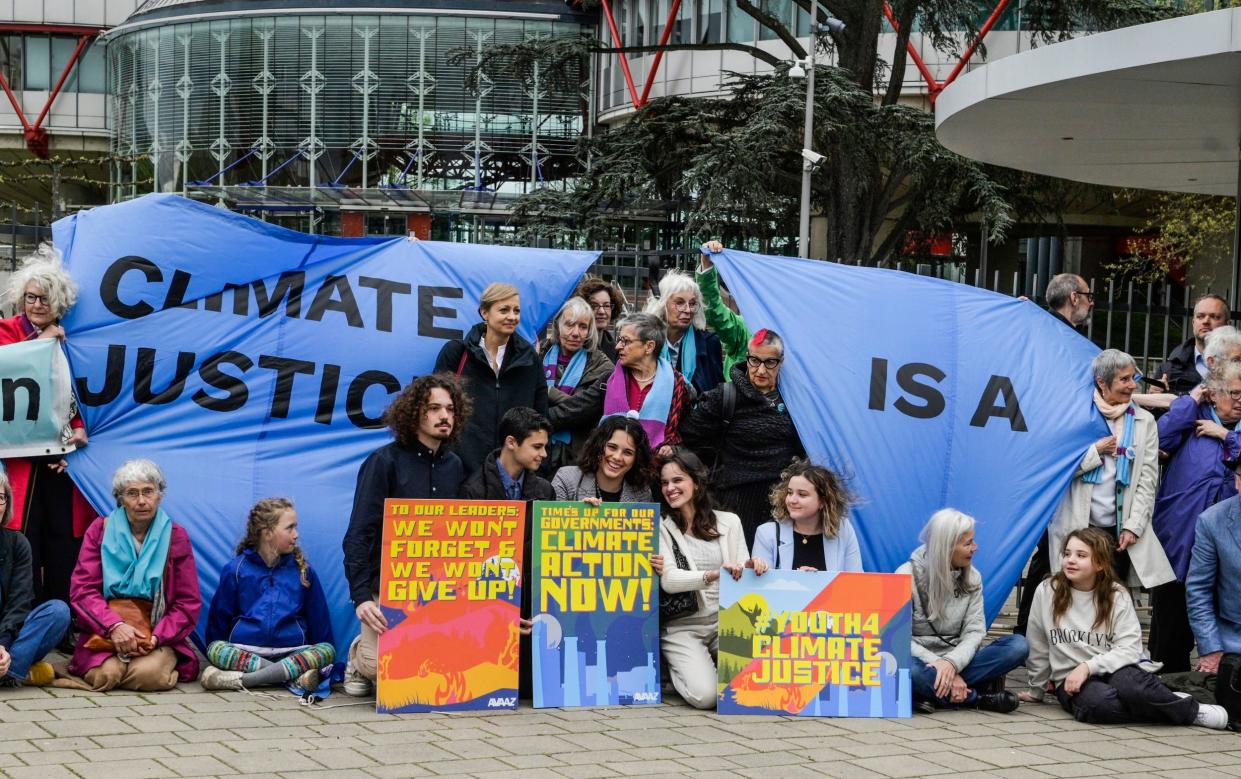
(693, 352)
(1200, 435)
(576, 370)
(47, 507)
(1115, 483)
(949, 665)
(135, 591)
(644, 385)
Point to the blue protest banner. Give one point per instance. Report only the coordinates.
(926, 393)
(35, 399)
(249, 361)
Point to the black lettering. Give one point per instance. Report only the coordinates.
(878, 383)
(288, 290)
(109, 286)
(384, 290)
(286, 369)
(210, 373)
(113, 377)
(357, 395)
(327, 393)
(324, 301)
(177, 288)
(428, 312)
(144, 372)
(1010, 410)
(9, 388)
(906, 377)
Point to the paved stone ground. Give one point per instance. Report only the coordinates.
(51, 733)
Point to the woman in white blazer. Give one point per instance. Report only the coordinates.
(696, 544)
(811, 530)
(1124, 466)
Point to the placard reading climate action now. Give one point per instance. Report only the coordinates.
(450, 588)
(596, 604)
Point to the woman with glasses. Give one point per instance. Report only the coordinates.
(607, 303)
(693, 352)
(644, 385)
(748, 428)
(135, 591)
(576, 370)
(47, 506)
(1199, 434)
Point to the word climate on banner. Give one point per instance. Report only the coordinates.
(815, 644)
(450, 588)
(596, 604)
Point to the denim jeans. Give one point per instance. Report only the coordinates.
(990, 662)
(45, 626)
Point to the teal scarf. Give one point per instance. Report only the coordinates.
(1124, 452)
(689, 355)
(128, 573)
(1219, 421)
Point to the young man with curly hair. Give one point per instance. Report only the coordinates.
(425, 420)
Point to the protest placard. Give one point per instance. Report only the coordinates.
(596, 604)
(815, 644)
(450, 588)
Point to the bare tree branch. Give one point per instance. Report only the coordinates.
(775, 25)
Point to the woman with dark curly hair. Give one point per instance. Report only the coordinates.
(608, 305)
(811, 530)
(425, 419)
(615, 466)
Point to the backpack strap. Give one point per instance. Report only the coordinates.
(729, 403)
(461, 363)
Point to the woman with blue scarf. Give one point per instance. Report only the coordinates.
(1115, 484)
(135, 591)
(576, 370)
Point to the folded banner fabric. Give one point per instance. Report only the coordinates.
(926, 394)
(35, 399)
(250, 361)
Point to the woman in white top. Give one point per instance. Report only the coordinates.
(1085, 637)
(708, 542)
(811, 530)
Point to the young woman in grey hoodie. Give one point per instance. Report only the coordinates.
(949, 663)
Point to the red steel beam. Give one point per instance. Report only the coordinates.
(933, 86)
(36, 135)
(659, 55)
(64, 76)
(616, 41)
(66, 29)
(17, 108)
(982, 33)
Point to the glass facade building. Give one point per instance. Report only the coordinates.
(304, 111)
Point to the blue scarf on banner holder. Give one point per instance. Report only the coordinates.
(568, 382)
(689, 355)
(1124, 452)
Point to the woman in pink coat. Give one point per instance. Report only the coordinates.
(134, 560)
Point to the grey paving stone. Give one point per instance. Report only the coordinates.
(130, 769)
(200, 765)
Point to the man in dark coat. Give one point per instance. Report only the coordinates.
(1186, 367)
(511, 473)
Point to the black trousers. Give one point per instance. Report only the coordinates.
(48, 525)
(1040, 567)
(1171, 639)
(1128, 695)
(751, 502)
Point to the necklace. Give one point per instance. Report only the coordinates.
(647, 379)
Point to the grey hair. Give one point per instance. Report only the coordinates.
(767, 337)
(647, 327)
(1061, 288)
(1223, 373)
(1221, 341)
(134, 471)
(45, 271)
(1108, 363)
(676, 282)
(7, 490)
(942, 532)
(577, 308)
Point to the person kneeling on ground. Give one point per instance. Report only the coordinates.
(1085, 637)
(948, 664)
(135, 592)
(269, 622)
(26, 635)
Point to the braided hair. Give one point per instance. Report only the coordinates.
(264, 516)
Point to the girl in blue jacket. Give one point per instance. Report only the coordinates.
(269, 622)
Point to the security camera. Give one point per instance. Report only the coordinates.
(812, 157)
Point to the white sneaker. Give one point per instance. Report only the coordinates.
(213, 678)
(1212, 716)
(355, 684)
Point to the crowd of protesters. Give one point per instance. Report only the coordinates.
(682, 405)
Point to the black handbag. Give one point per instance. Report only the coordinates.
(674, 605)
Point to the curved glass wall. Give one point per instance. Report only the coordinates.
(299, 111)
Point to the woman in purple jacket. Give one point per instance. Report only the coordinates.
(1199, 434)
(135, 591)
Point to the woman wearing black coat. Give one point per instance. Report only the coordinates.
(757, 443)
(501, 370)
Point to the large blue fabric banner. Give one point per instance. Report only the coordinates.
(925, 394)
(251, 361)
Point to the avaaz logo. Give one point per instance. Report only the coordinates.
(499, 703)
(646, 697)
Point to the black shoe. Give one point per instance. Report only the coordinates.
(1001, 702)
(925, 706)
